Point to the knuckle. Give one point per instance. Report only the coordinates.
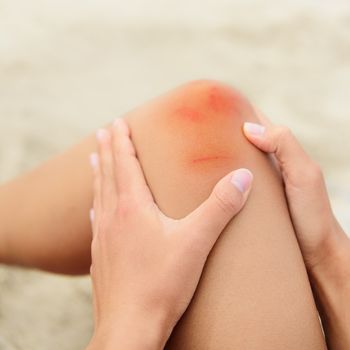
(313, 172)
(315, 168)
(125, 207)
(226, 201)
(283, 133)
(105, 225)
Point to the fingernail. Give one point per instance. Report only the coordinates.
(242, 179)
(94, 160)
(101, 134)
(92, 215)
(254, 129)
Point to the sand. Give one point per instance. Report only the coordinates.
(67, 67)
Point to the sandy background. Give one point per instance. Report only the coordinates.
(67, 67)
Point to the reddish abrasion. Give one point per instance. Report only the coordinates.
(222, 100)
(205, 102)
(209, 158)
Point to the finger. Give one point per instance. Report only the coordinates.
(129, 174)
(226, 200)
(305, 187)
(266, 122)
(94, 297)
(106, 165)
(94, 162)
(92, 221)
(280, 141)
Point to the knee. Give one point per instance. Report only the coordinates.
(209, 102)
(206, 118)
(199, 124)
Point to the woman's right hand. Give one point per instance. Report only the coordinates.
(324, 244)
(146, 265)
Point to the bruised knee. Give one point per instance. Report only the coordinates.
(191, 134)
(203, 121)
(205, 101)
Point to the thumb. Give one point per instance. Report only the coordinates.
(226, 200)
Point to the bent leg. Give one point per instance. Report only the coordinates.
(254, 293)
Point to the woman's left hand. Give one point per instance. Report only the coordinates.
(145, 265)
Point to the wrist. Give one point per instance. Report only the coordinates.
(330, 280)
(333, 264)
(131, 330)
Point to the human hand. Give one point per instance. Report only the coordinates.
(317, 229)
(145, 265)
(324, 245)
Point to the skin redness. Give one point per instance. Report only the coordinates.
(204, 140)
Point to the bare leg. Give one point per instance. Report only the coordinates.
(254, 293)
(44, 214)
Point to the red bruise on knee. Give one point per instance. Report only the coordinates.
(202, 100)
(206, 117)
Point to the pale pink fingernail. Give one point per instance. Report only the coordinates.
(254, 129)
(101, 134)
(92, 215)
(94, 160)
(242, 179)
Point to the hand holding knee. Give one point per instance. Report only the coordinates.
(324, 244)
(316, 227)
(145, 265)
